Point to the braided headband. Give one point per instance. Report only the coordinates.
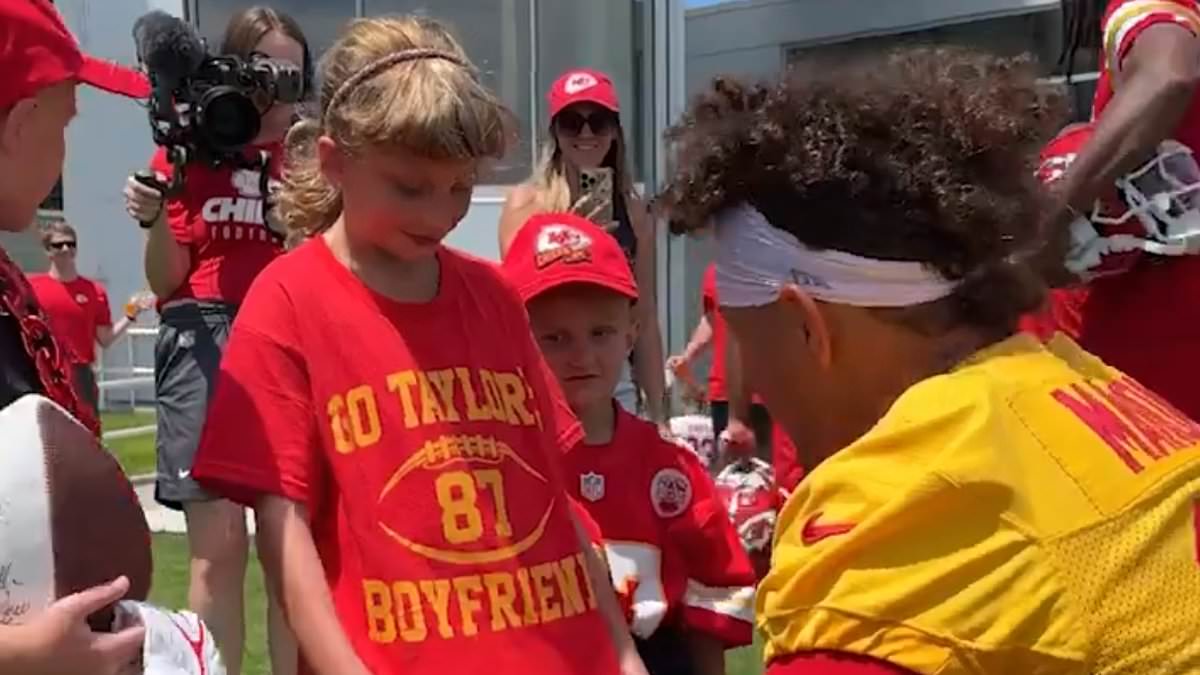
(379, 65)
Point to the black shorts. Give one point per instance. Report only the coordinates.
(85, 386)
(191, 339)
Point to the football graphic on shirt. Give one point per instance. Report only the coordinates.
(491, 504)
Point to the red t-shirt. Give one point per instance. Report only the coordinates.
(425, 440)
(1146, 321)
(716, 372)
(673, 554)
(75, 309)
(219, 218)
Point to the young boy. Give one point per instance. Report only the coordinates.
(684, 581)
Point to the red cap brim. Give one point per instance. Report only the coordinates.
(114, 78)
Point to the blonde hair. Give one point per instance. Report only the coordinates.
(59, 227)
(394, 81)
(553, 191)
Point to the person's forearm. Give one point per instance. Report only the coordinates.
(1146, 110)
(649, 361)
(736, 385)
(293, 569)
(166, 260)
(609, 608)
(708, 654)
(15, 653)
(700, 340)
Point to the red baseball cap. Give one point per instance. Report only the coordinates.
(37, 51)
(582, 85)
(552, 249)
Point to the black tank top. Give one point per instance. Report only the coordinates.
(623, 232)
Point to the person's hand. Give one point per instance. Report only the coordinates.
(59, 642)
(677, 363)
(142, 202)
(139, 302)
(737, 439)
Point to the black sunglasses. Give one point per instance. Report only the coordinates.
(62, 245)
(571, 122)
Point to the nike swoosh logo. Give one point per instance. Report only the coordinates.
(814, 532)
(184, 473)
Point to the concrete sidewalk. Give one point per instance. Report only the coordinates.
(162, 519)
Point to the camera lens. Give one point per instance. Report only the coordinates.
(227, 118)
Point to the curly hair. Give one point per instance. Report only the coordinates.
(923, 154)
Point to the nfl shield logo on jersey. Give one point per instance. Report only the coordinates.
(591, 486)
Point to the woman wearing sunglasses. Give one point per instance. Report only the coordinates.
(586, 142)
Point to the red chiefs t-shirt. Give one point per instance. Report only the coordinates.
(673, 554)
(1146, 321)
(716, 372)
(425, 440)
(218, 216)
(75, 309)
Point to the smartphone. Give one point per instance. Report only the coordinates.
(595, 196)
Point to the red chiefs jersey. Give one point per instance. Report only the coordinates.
(716, 372)
(672, 552)
(219, 218)
(75, 309)
(428, 459)
(1146, 322)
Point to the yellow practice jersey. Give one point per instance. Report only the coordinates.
(1034, 511)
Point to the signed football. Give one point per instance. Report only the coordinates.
(69, 518)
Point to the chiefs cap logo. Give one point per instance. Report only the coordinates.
(577, 82)
(562, 243)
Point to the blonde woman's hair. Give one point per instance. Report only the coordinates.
(553, 191)
(389, 82)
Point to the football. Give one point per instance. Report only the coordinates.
(69, 518)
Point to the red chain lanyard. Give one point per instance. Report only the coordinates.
(16, 298)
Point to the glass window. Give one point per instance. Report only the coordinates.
(497, 37)
(54, 201)
(607, 36)
(321, 20)
(1037, 33)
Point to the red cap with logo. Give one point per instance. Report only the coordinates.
(582, 86)
(553, 249)
(37, 51)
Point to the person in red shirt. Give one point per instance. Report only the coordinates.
(42, 66)
(674, 557)
(78, 308)
(204, 248)
(1148, 93)
(383, 407)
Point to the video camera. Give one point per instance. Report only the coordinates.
(206, 108)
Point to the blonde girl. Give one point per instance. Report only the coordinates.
(382, 404)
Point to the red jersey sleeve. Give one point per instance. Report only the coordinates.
(177, 219)
(260, 436)
(708, 289)
(719, 599)
(103, 312)
(1126, 20)
(833, 663)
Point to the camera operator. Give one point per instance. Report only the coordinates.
(205, 244)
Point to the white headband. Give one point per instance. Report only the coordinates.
(755, 259)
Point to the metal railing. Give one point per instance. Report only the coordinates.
(129, 377)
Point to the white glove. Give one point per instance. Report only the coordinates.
(177, 643)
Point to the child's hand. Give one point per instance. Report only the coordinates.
(59, 642)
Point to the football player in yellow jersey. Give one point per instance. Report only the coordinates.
(985, 503)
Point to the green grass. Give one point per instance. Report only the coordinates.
(170, 590)
(135, 453)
